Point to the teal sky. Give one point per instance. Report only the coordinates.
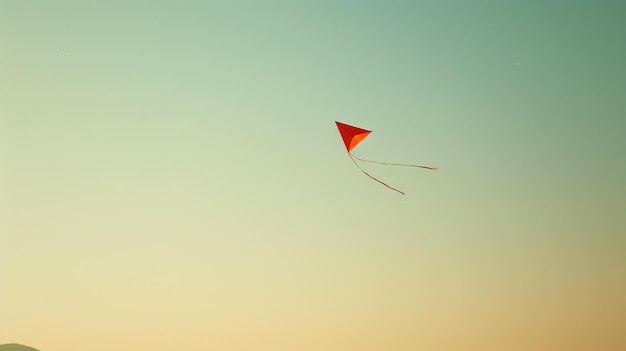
(171, 174)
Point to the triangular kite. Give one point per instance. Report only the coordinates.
(352, 136)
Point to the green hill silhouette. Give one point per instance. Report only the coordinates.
(16, 347)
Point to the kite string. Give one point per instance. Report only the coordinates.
(367, 174)
(395, 164)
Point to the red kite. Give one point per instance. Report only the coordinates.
(352, 136)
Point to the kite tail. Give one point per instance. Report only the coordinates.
(367, 174)
(395, 164)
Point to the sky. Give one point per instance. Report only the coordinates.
(171, 176)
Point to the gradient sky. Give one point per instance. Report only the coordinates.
(172, 177)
